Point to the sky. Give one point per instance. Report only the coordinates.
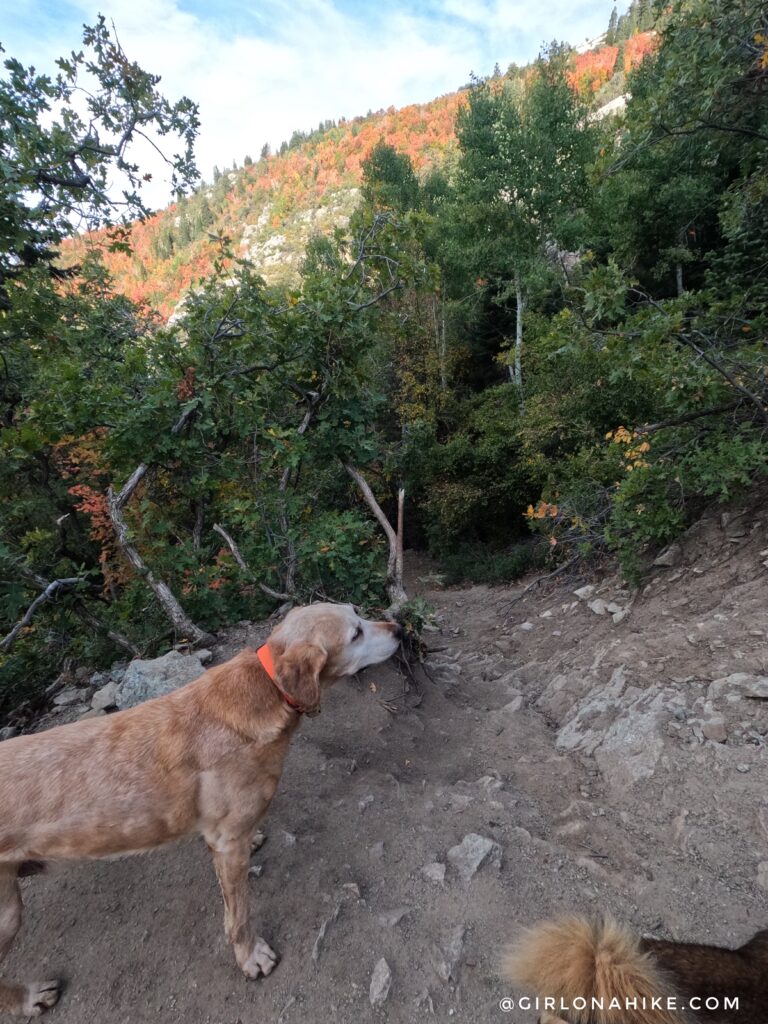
(260, 70)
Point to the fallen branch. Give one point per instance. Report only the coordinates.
(395, 588)
(117, 638)
(543, 579)
(236, 554)
(51, 589)
(651, 428)
(171, 606)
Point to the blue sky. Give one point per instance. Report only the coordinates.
(261, 69)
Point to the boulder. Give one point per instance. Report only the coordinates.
(144, 680)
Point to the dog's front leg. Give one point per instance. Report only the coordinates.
(231, 858)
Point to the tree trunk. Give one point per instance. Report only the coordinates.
(679, 279)
(395, 588)
(517, 375)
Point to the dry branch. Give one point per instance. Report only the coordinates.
(171, 606)
(48, 594)
(395, 588)
(237, 555)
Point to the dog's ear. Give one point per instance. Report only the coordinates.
(297, 673)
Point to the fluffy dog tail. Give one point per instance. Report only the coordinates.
(600, 964)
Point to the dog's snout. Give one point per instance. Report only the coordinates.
(398, 630)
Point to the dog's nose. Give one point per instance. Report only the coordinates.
(398, 630)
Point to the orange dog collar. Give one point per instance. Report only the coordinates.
(264, 654)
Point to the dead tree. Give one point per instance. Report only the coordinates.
(395, 588)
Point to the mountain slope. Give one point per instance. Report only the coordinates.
(270, 208)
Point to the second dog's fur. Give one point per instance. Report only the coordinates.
(604, 962)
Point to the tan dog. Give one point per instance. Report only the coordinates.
(205, 759)
(625, 979)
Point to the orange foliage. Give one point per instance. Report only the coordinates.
(301, 178)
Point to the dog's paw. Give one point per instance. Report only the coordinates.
(262, 960)
(40, 996)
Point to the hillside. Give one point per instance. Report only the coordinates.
(270, 208)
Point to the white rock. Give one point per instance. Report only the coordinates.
(471, 853)
(584, 592)
(598, 606)
(105, 698)
(670, 558)
(381, 983)
(69, 695)
(434, 872)
(146, 679)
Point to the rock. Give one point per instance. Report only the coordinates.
(376, 852)
(257, 841)
(525, 627)
(105, 698)
(670, 558)
(583, 593)
(381, 983)
(153, 678)
(598, 606)
(365, 802)
(434, 872)
(82, 675)
(321, 934)
(8, 732)
(620, 616)
(447, 965)
(471, 853)
(390, 918)
(713, 728)
(739, 684)
(93, 713)
(424, 1001)
(69, 695)
(289, 839)
(256, 870)
(514, 705)
(762, 874)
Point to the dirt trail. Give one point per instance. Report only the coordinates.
(576, 743)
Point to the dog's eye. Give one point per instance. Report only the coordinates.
(358, 633)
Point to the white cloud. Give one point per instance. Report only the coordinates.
(258, 76)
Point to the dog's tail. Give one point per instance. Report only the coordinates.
(596, 972)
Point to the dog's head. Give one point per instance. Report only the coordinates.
(316, 645)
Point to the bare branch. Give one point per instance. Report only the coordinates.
(395, 588)
(276, 594)
(652, 428)
(173, 609)
(48, 594)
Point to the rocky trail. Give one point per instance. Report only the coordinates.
(582, 749)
